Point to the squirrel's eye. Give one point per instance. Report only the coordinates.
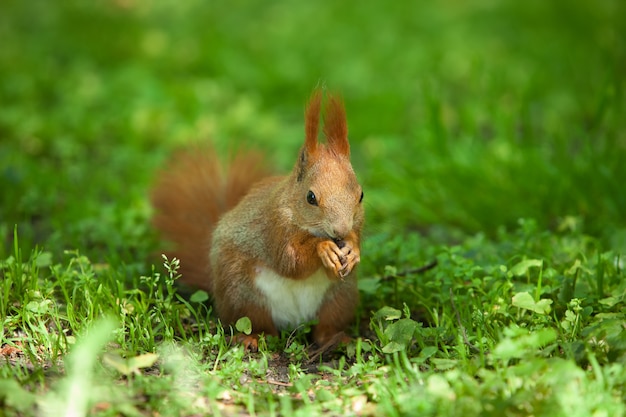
(361, 199)
(311, 199)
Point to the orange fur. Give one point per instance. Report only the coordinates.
(335, 127)
(190, 195)
(239, 234)
(312, 120)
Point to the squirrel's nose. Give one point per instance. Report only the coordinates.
(340, 232)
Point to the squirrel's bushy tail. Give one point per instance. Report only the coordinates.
(190, 194)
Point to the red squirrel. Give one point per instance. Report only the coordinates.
(280, 250)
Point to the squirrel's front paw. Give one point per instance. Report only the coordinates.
(351, 257)
(339, 257)
(331, 256)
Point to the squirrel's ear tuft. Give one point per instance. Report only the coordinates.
(312, 121)
(311, 129)
(336, 126)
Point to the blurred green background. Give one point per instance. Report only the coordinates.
(464, 116)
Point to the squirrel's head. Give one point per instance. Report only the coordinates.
(328, 198)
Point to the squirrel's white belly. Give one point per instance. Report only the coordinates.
(292, 302)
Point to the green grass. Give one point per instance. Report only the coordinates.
(489, 137)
